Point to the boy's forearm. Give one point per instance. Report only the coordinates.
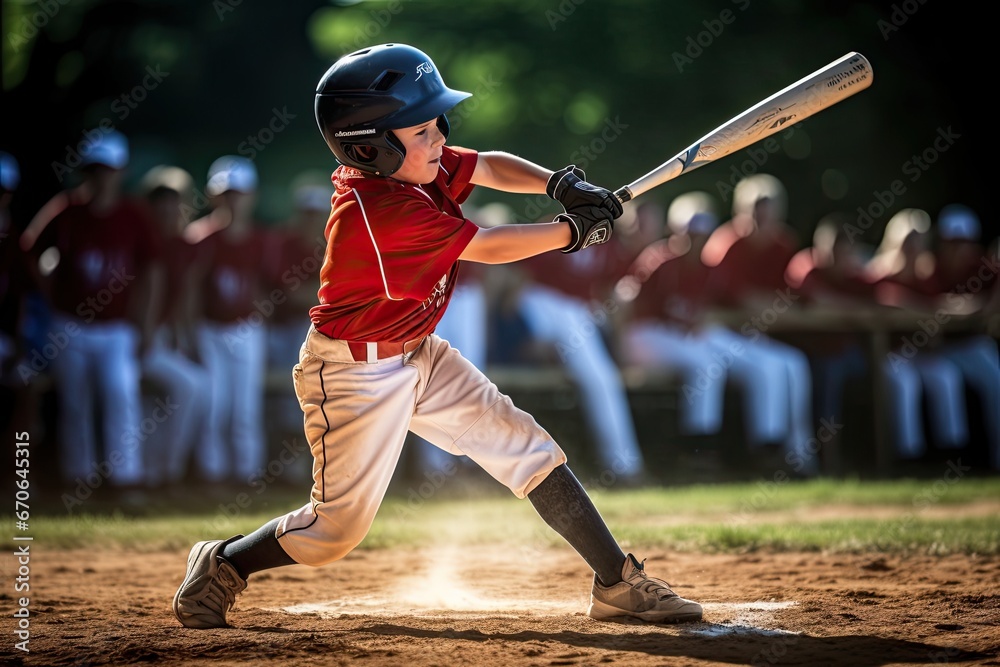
(509, 173)
(511, 243)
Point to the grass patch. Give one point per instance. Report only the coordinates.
(694, 518)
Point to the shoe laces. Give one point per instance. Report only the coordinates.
(220, 594)
(648, 584)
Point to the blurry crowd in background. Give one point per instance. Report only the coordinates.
(156, 319)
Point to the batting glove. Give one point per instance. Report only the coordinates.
(570, 188)
(590, 225)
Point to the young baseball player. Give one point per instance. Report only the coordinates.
(371, 367)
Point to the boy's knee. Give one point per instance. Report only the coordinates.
(325, 541)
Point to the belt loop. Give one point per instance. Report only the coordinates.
(372, 349)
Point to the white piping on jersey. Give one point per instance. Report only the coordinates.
(447, 173)
(421, 190)
(378, 255)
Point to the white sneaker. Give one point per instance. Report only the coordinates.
(210, 587)
(641, 596)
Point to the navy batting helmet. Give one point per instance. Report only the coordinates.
(367, 94)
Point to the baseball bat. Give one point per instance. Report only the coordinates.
(809, 95)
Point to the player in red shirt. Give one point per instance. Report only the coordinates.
(965, 270)
(902, 273)
(750, 253)
(566, 303)
(15, 397)
(465, 325)
(665, 293)
(232, 279)
(371, 367)
(183, 384)
(293, 260)
(830, 276)
(108, 275)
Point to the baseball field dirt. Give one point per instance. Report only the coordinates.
(484, 606)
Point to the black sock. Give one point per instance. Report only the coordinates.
(257, 551)
(564, 504)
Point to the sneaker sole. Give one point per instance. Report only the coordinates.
(193, 557)
(602, 612)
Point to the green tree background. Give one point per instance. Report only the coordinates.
(619, 86)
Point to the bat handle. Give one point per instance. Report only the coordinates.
(623, 194)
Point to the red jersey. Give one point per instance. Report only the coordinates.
(235, 281)
(815, 283)
(392, 252)
(842, 288)
(295, 262)
(101, 258)
(671, 287)
(178, 256)
(749, 264)
(589, 276)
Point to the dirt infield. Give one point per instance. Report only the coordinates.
(488, 606)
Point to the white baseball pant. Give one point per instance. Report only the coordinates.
(942, 382)
(979, 360)
(283, 342)
(567, 322)
(357, 415)
(185, 386)
(661, 345)
(99, 364)
(233, 354)
(777, 386)
(464, 326)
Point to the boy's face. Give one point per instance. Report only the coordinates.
(423, 152)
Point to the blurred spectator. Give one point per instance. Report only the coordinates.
(102, 277)
(294, 259)
(964, 270)
(750, 253)
(664, 293)
(566, 301)
(183, 384)
(830, 277)
(232, 336)
(296, 265)
(14, 284)
(902, 270)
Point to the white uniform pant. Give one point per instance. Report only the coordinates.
(178, 415)
(661, 345)
(941, 380)
(98, 364)
(464, 326)
(978, 359)
(283, 342)
(234, 355)
(356, 419)
(777, 387)
(567, 322)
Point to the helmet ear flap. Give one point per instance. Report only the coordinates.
(443, 125)
(361, 153)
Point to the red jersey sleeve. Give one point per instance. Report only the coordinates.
(458, 165)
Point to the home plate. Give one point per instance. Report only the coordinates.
(741, 619)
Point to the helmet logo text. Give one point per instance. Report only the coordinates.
(355, 133)
(424, 68)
